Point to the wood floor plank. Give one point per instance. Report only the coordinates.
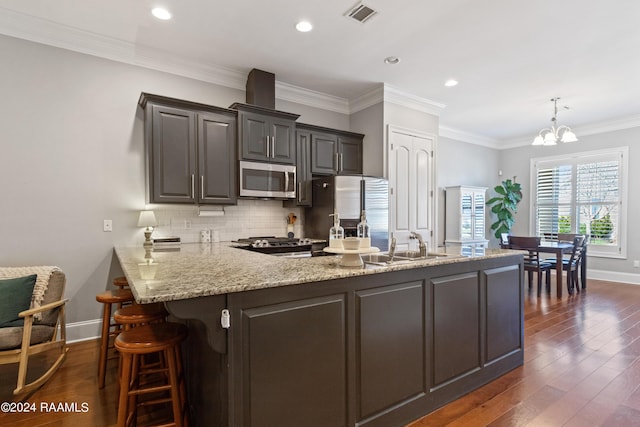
(584, 348)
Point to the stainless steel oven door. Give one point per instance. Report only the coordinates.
(267, 180)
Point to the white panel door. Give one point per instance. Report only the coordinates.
(411, 183)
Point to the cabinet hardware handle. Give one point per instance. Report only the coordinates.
(193, 186)
(201, 187)
(300, 199)
(337, 162)
(225, 319)
(268, 146)
(273, 147)
(341, 162)
(286, 181)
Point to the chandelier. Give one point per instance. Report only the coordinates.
(551, 136)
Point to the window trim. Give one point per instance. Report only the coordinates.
(623, 191)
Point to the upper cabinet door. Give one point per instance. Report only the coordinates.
(303, 172)
(267, 138)
(216, 159)
(324, 154)
(350, 155)
(256, 138)
(173, 155)
(283, 143)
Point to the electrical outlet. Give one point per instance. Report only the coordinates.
(107, 225)
(636, 264)
(187, 224)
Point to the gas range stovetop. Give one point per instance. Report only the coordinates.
(276, 245)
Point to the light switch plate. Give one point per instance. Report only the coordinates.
(107, 225)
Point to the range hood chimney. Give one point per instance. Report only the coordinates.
(261, 89)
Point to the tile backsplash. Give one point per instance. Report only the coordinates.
(248, 218)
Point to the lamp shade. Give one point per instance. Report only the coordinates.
(147, 219)
(538, 140)
(569, 136)
(549, 138)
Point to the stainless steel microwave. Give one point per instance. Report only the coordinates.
(267, 180)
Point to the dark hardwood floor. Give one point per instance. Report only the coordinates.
(582, 368)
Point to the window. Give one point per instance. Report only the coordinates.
(583, 193)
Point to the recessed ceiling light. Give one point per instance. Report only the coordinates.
(392, 60)
(161, 13)
(304, 26)
(451, 83)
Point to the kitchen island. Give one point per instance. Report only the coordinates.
(311, 343)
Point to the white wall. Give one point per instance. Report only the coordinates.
(315, 116)
(461, 163)
(369, 122)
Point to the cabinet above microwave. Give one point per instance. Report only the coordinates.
(266, 135)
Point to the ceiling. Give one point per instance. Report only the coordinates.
(510, 57)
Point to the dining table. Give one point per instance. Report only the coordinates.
(560, 248)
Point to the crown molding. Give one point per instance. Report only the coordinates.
(367, 99)
(471, 138)
(311, 98)
(396, 96)
(609, 125)
(53, 34)
(404, 99)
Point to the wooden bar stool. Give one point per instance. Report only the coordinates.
(162, 338)
(108, 299)
(121, 282)
(140, 314)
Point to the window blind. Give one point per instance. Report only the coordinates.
(582, 193)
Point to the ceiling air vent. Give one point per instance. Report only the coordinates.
(360, 13)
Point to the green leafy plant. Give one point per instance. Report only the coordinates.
(601, 227)
(505, 205)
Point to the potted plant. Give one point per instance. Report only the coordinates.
(505, 205)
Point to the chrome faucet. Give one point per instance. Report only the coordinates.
(392, 249)
(422, 245)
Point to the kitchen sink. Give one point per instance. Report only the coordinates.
(383, 259)
(415, 255)
(402, 257)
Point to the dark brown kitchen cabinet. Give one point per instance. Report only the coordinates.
(324, 154)
(303, 170)
(375, 350)
(266, 135)
(350, 155)
(280, 383)
(190, 152)
(334, 152)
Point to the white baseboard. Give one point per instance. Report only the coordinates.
(83, 331)
(613, 276)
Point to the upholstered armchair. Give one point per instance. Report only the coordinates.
(32, 320)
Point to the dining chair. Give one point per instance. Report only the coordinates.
(532, 262)
(568, 237)
(572, 265)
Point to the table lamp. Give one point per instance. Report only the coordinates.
(147, 219)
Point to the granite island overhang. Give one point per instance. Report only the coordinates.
(315, 344)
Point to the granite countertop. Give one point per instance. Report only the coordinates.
(202, 269)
